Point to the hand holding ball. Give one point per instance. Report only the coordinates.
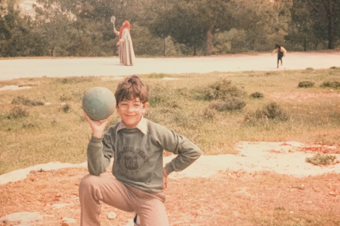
(99, 103)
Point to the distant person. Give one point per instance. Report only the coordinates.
(136, 145)
(126, 52)
(281, 52)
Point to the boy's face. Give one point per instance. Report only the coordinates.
(131, 111)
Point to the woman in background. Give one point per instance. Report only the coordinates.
(126, 52)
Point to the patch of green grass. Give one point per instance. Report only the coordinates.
(331, 84)
(257, 95)
(305, 84)
(321, 159)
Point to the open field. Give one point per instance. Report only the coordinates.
(212, 112)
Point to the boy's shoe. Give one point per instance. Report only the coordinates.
(136, 220)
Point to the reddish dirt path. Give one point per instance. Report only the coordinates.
(228, 198)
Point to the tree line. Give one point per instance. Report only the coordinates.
(168, 27)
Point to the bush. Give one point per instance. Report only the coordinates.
(222, 90)
(209, 113)
(229, 104)
(306, 84)
(257, 95)
(309, 69)
(331, 84)
(65, 107)
(269, 111)
(320, 159)
(335, 68)
(19, 112)
(26, 101)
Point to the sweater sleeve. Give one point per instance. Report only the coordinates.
(99, 153)
(186, 151)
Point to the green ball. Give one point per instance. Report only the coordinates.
(99, 103)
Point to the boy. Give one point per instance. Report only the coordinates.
(281, 52)
(136, 144)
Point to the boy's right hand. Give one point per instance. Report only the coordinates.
(98, 127)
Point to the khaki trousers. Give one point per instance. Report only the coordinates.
(104, 188)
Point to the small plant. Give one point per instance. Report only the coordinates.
(19, 112)
(66, 108)
(335, 68)
(331, 84)
(269, 111)
(220, 90)
(209, 113)
(320, 159)
(26, 101)
(229, 104)
(309, 69)
(306, 84)
(279, 208)
(257, 95)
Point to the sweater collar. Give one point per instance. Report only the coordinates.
(142, 126)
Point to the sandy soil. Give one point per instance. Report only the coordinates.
(250, 187)
(64, 67)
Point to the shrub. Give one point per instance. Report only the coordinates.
(309, 69)
(221, 90)
(269, 111)
(229, 104)
(209, 113)
(65, 108)
(19, 112)
(320, 159)
(306, 84)
(335, 68)
(257, 95)
(331, 84)
(26, 101)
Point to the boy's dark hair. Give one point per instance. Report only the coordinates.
(277, 46)
(131, 88)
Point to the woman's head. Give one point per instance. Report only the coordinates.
(126, 25)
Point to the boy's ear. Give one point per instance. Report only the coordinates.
(145, 107)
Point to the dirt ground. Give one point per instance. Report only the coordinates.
(244, 189)
(63, 67)
(227, 198)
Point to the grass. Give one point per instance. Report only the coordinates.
(320, 159)
(58, 131)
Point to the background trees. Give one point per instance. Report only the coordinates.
(168, 27)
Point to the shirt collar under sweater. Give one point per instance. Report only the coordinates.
(142, 126)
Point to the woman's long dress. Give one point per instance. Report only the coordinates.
(126, 52)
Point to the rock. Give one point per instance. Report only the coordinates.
(129, 223)
(332, 193)
(60, 205)
(111, 215)
(67, 221)
(22, 219)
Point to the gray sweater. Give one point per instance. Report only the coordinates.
(138, 157)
